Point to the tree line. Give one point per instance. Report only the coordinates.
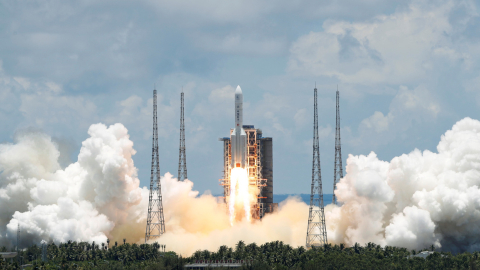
(83, 255)
(272, 255)
(277, 255)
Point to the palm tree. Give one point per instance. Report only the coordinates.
(222, 252)
(239, 250)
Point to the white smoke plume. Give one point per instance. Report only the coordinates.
(89, 200)
(415, 200)
(199, 223)
(99, 197)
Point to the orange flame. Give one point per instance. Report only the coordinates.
(239, 194)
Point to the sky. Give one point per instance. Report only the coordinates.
(406, 71)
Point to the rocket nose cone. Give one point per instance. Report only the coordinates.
(239, 90)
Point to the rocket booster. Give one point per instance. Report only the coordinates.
(238, 138)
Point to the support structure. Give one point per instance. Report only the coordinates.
(338, 167)
(260, 170)
(44, 251)
(18, 243)
(155, 220)
(316, 230)
(182, 158)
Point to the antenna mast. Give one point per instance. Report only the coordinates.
(338, 167)
(316, 230)
(155, 220)
(182, 158)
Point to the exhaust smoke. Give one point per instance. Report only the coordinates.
(413, 201)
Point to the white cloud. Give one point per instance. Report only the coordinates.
(219, 104)
(48, 110)
(244, 43)
(222, 95)
(42, 104)
(377, 122)
(110, 56)
(300, 118)
(418, 105)
(136, 113)
(398, 48)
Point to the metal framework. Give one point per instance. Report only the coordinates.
(254, 168)
(255, 171)
(182, 158)
(227, 154)
(155, 219)
(338, 167)
(44, 251)
(316, 230)
(18, 243)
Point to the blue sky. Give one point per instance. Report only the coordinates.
(406, 70)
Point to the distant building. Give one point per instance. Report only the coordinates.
(423, 254)
(208, 264)
(8, 255)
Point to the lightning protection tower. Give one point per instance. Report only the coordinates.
(182, 158)
(155, 220)
(18, 243)
(338, 168)
(316, 230)
(44, 251)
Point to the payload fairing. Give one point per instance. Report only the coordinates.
(238, 138)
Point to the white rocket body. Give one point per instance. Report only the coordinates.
(238, 138)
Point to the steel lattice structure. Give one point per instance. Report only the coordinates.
(254, 162)
(155, 220)
(316, 230)
(338, 167)
(182, 158)
(18, 243)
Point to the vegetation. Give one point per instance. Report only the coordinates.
(73, 255)
(273, 255)
(277, 255)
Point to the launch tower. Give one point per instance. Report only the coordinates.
(260, 165)
(338, 168)
(182, 157)
(316, 230)
(155, 220)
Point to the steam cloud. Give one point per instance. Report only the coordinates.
(98, 197)
(91, 199)
(416, 200)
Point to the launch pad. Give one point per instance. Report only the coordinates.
(260, 169)
(248, 149)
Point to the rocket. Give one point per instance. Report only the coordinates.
(238, 138)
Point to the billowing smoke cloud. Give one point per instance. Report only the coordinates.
(198, 223)
(89, 200)
(98, 197)
(415, 200)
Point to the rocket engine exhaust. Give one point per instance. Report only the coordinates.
(239, 194)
